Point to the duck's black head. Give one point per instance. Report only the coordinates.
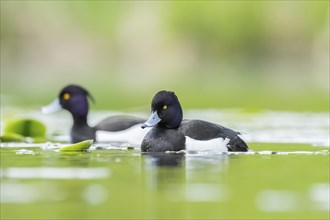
(166, 110)
(73, 98)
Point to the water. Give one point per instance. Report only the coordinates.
(113, 182)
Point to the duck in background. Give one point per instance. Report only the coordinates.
(171, 133)
(74, 99)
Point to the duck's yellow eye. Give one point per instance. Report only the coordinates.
(165, 107)
(66, 96)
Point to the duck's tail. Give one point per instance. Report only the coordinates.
(237, 144)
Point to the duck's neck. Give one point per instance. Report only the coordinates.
(80, 121)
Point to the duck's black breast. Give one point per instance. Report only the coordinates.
(118, 123)
(81, 133)
(161, 139)
(203, 130)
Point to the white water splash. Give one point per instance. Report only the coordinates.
(200, 153)
(24, 151)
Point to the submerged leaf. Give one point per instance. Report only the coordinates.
(11, 137)
(26, 127)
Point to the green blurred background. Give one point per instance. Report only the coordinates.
(216, 54)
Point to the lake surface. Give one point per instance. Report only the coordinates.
(111, 181)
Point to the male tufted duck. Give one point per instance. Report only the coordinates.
(171, 133)
(74, 99)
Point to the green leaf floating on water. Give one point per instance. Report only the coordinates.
(80, 146)
(26, 127)
(11, 137)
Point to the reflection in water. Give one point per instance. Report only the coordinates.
(320, 195)
(186, 177)
(163, 169)
(206, 167)
(163, 185)
(27, 193)
(164, 159)
(278, 201)
(55, 173)
(203, 192)
(162, 173)
(317, 198)
(95, 194)
(18, 193)
(67, 158)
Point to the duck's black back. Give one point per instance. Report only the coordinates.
(118, 123)
(203, 130)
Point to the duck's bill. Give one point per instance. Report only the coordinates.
(55, 106)
(152, 121)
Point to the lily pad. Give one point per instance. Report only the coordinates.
(80, 146)
(26, 127)
(11, 137)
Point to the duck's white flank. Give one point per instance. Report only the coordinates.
(133, 135)
(218, 144)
